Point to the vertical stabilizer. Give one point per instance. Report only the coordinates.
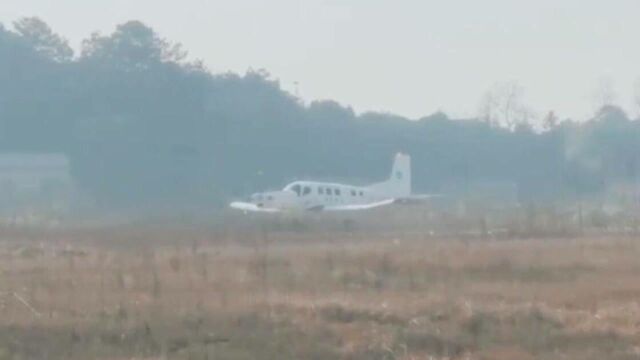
(399, 182)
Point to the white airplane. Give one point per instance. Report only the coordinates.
(322, 196)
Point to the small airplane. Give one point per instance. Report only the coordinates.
(323, 196)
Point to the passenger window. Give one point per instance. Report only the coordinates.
(269, 198)
(306, 191)
(296, 189)
(329, 191)
(353, 193)
(337, 192)
(320, 190)
(361, 193)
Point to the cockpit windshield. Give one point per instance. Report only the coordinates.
(300, 189)
(295, 187)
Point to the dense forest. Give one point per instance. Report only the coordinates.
(141, 124)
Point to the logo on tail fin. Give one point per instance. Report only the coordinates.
(402, 171)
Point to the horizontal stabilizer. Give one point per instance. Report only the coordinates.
(417, 199)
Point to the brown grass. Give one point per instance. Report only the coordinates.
(178, 293)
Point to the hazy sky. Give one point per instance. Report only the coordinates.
(411, 57)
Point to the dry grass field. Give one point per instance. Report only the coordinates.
(178, 293)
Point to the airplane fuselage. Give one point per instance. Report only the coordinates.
(312, 195)
(315, 195)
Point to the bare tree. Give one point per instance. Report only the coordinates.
(604, 94)
(636, 95)
(550, 121)
(502, 105)
(488, 109)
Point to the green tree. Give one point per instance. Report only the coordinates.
(39, 36)
(132, 46)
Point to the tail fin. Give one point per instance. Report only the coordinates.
(399, 182)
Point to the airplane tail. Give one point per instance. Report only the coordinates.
(399, 182)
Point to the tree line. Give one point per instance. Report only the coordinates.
(141, 124)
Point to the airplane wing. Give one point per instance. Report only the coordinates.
(359, 206)
(244, 206)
